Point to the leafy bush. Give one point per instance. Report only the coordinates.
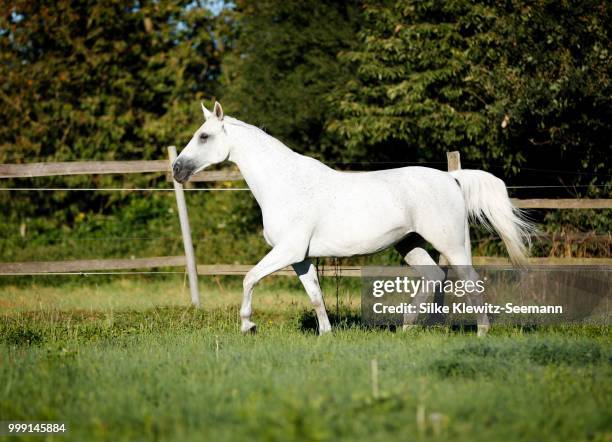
(510, 84)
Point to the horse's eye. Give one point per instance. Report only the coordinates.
(203, 137)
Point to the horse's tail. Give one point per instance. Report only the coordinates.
(487, 202)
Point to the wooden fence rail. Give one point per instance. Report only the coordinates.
(81, 168)
(32, 170)
(89, 265)
(563, 203)
(99, 265)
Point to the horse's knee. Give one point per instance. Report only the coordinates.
(249, 282)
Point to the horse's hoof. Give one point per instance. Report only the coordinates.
(325, 331)
(248, 328)
(483, 330)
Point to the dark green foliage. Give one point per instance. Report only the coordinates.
(577, 352)
(98, 81)
(19, 336)
(509, 84)
(226, 228)
(469, 367)
(409, 99)
(554, 82)
(101, 80)
(283, 66)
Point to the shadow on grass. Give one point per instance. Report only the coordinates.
(348, 319)
(308, 323)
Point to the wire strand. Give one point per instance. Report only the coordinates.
(226, 189)
(116, 189)
(88, 273)
(103, 238)
(558, 186)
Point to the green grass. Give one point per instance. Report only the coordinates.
(130, 360)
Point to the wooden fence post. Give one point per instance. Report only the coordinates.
(454, 160)
(186, 232)
(454, 163)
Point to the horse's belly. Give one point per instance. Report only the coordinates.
(338, 248)
(360, 237)
(363, 218)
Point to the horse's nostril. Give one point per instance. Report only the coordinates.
(176, 168)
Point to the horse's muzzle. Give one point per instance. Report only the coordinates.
(181, 170)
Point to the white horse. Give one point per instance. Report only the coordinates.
(310, 210)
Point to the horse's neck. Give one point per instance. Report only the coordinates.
(264, 162)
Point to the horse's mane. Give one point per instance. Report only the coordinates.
(258, 131)
(235, 122)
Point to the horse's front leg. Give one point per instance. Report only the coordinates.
(282, 255)
(307, 273)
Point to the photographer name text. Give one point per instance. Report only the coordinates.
(461, 308)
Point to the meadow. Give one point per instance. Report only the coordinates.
(129, 359)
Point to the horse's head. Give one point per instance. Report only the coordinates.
(209, 145)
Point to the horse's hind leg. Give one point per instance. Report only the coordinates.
(451, 237)
(307, 273)
(423, 264)
(460, 258)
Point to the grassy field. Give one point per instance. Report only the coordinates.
(130, 360)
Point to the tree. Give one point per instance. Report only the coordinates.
(85, 80)
(513, 84)
(284, 63)
(101, 80)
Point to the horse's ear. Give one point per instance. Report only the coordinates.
(207, 113)
(218, 111)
